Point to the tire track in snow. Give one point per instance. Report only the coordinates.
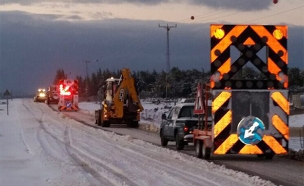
(177, 175)
(83, 164)
(102, 180)
(237, 166)
(182, 173)
(79, 163)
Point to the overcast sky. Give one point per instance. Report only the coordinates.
(39, 37)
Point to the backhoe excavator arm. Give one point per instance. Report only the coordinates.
(126, 88)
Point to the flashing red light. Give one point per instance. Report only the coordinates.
(186, 129)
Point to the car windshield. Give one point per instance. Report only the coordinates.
(187, 111)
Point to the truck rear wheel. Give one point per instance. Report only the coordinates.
(164, 141)
(179, 143)
(206, 151)
(198, 149)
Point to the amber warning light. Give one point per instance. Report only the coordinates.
(219, 33)
(278, 34)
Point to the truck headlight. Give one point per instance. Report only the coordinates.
(41, 94)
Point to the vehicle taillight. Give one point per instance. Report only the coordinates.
(186, 129)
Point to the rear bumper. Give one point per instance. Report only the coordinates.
(188, 138)
(40, 99)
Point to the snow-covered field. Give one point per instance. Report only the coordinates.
(41, 147)
(151, 118)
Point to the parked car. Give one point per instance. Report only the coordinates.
(179, 125)
(40, 95)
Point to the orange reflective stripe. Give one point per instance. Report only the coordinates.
(281, 101)
(271, 42)
(222, 123)
(226, 41)
(212, 84)
(251, 149)
(227, 144)
(225, 68)
(220, 100)
(249, 41)
(274, 144)
(272, 67)
(279, 124)
(75, 108)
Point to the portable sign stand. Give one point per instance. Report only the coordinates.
(250, 116)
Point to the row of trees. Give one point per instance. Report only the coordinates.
(177, 83)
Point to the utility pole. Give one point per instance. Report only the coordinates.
(168, 54)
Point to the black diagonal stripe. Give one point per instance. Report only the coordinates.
(270, 29)
(222, 137)
(263, 146)
(277, 60)
(236, 147)
(236, 63)
(225, 133)
(227, 29)
(220, 112)
(249, 32)
(223, 57)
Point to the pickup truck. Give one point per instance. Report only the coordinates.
(179, 125)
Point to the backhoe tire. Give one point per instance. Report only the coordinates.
(135, 124)
(98, 117)
(98, 121)
(105, 123)
(132, 124)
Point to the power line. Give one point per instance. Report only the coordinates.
(275, 14)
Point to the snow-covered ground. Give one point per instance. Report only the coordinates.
(151, 118)
(41, 147)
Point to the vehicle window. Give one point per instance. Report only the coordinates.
(170, 113)
(187, 111)
(176, 112)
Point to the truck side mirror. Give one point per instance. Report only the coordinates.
(164, 116)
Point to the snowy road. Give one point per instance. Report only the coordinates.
(274, 170)
(42, 147)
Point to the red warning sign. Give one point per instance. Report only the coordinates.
(199, 103)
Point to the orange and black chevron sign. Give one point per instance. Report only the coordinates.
(249, 40)
(250, 115)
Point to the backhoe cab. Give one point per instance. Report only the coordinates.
(120, 102)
